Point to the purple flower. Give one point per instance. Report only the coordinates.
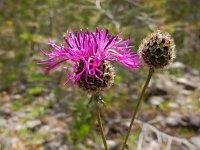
(86, 52)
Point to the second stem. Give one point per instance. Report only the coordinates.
(151, 71)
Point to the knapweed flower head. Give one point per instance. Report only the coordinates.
(157, 50)
(89, 55)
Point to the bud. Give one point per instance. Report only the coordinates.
(98, 82)
(157, 50)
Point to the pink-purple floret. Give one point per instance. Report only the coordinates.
(91, 48)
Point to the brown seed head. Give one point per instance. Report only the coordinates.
(157, 50)
(92, 84)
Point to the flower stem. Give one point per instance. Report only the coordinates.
(151, 71)
(99, 105)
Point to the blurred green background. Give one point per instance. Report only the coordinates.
(38, 112)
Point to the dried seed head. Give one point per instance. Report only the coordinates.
(157, 50)
(93, 84)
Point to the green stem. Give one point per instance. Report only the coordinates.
(151, 71)
(99, 105)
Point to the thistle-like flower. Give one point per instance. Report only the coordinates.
(157, 50)
(90, 54)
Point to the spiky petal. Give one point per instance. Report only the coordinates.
(89, 49)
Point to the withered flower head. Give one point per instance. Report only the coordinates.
(157, 50)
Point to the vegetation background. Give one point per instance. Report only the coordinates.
(38, 112)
